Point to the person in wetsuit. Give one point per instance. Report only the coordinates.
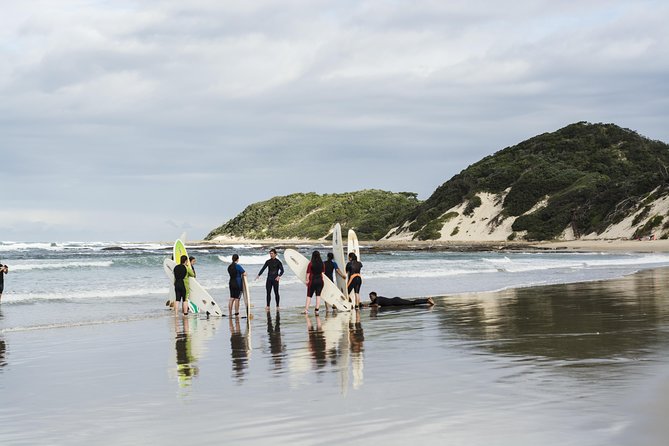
(235, 271)
(314, 281)
(353, 268)
(380, 301)
(181, 274)
(331, 267)
(192, 261)
(274, 272)
(3, 270)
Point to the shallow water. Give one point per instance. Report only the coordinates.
(571, 364)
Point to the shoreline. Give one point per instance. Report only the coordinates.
(599, 245)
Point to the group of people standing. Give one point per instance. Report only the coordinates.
(317, 268)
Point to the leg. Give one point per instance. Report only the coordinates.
(275, 285)
(237, 306)
(306, 305)
(230, 302)
(318, 303)
(268, 288)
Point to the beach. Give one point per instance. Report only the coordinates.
(581, 363)
(535, 346)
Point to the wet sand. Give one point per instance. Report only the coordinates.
(575, 364)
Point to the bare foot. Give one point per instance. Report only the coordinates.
(430, 301)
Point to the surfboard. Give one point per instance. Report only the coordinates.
(199, 301)
(247, 296)
(179, 250)
(330, 294)
(353, 245)
(338, 251)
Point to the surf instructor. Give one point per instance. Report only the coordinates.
(274, 272)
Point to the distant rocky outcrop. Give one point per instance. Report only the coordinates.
(372, 213)
(582, 181)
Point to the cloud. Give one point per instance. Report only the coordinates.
(159, 108)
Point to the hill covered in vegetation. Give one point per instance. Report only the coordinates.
(582, 179)
(372, 213)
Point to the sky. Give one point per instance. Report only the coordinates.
(141, 120)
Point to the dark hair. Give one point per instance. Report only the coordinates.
(316, 258)
(330, 256)
(273, 250)
(191, 258)
(183, 259)
(235, 257)
(374, 293)
(352, 256)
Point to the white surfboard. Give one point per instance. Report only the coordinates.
(247, 296)
(330, 294)
(338, 251)
(203, 301)
(353, 245)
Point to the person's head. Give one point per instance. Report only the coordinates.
(316, 257)
(235, 257)
(352, 257)
(183, 259)
(272, 253)
(372, 295)
(330, 256)
(192, 260)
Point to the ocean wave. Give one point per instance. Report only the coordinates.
(59, 265)
(246, 260)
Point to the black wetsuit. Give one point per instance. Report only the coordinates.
(397, 301)
(2, 278)
(330, 267)
(353, 269)
(180, 273)
(235, 281)
(274, 270)
(315, 279)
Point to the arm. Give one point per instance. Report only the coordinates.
(262, 270)
(280, 269)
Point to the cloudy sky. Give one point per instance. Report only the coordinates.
(139, 120)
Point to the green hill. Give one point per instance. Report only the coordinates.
(372, 213)
(593, 176)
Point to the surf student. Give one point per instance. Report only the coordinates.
(314, 281)
(353, 268)
(191, 259)
(331, 267)
(274, 272)
(4, 269)
(236, 272)
(381, 301)
(181, 274)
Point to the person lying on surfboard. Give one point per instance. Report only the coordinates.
(380, 301)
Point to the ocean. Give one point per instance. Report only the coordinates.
(61, 284)
(521, 348)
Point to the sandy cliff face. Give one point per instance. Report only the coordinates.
(487, 223)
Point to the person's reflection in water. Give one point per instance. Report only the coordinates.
(186, 369)
(356, 340)
(316, 342)
(239, 348)
(276, 346)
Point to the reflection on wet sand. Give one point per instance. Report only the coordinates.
(239, 347)
(3, 349)
(316, 342)
(186, 368)
(586, 321)
(356, 339)
(276, 346)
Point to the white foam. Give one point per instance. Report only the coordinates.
(247, 260)
(58, 265)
